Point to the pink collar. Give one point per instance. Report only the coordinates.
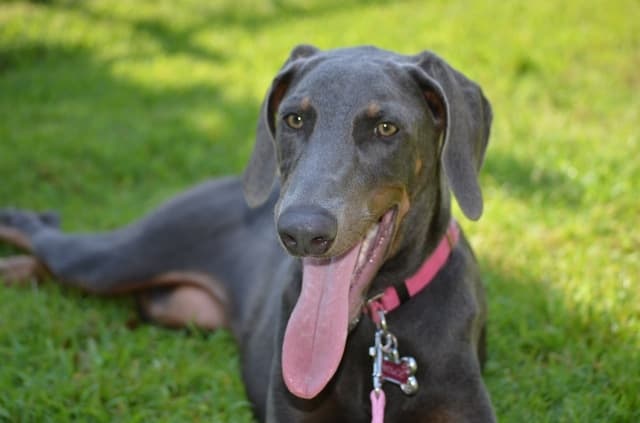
(397, 294)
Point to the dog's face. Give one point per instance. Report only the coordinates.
(356, 139)
(363, 143)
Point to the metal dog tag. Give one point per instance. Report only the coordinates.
(401, 373)
(388, 366)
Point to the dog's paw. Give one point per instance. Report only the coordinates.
(20, 270)
(28, 222)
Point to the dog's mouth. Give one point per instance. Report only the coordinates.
(332, 296)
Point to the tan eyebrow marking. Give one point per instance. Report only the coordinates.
(373, 109)
(305, 103)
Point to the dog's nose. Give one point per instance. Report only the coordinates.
(307, 230)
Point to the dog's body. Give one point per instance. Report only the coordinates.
(366, 144)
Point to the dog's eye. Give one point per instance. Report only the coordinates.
(294, 121)
(385, 129)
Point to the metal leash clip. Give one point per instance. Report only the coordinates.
(388, 366)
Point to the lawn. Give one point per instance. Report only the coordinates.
(109, 107)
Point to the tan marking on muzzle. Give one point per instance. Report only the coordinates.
(386, 198)
(418, 167)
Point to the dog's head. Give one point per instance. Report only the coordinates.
(367, 144)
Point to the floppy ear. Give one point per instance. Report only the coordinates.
(467, 120)
(260, 173)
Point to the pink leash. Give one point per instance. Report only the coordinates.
(397, 294)
(377, 406)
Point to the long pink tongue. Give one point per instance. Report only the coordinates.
(316, 334)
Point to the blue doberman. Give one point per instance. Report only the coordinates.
(347, 193)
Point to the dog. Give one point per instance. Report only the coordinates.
(334, 259)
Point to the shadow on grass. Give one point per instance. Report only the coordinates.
(95, 131)
(251, 19)
(179, 40)
(547, 187)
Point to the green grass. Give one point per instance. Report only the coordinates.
(107, 108)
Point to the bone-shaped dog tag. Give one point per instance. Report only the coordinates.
(401, 373)
(388, 366)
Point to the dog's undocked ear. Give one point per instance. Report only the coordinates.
(467, 121)
(260, 173)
